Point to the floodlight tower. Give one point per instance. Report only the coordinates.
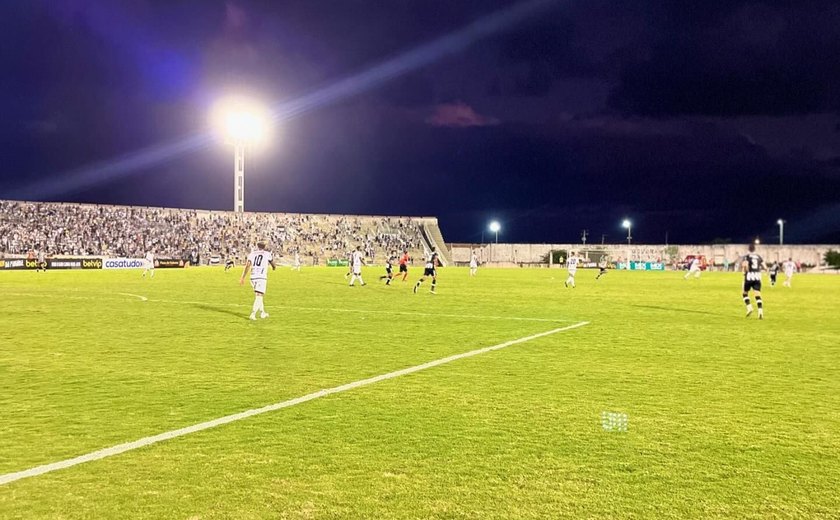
(243, 124)
(495, 227)
(781, 224)
(628, 225)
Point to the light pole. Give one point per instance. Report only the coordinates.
(781, 224)
(495, 227)
(243, 124)
(627, 224)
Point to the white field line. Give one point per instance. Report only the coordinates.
(154, 439)
(141, 298)
(309, 309)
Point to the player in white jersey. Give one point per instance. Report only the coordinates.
(356, 263)
(693, 268)
(789, 268)
(296, 263)
(42, 261)
(258, 262)
(150, 265)
(572, 265)
(473, 264)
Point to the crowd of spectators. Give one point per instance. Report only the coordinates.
(124, 231)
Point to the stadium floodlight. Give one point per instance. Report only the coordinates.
(627, 225)
(757, 241)
(781, 224)
(243, 123)
(495, 227)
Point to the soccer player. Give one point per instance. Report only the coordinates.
(229, 263)
(389, 271)
(42, 261)
(774, 271)
(572, 265)
(789, 268)
(150, 265)
(404, 260)
(356, 263)
(349, 265)
(602, 266)
(296, 263)
(751, 267)
(473, 264)
(430, 269)
(258, 262)
(693, 268)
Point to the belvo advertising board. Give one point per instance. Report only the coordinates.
(74, 263)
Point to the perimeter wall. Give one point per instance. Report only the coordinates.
(535, 254)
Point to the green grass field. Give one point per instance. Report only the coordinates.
(728, 417)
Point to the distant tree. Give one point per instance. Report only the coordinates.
(832, 258)
(559, 256)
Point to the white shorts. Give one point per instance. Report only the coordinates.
(259, 285)
(357, 270)
(572, 273)
(473, 265)
(150, 264)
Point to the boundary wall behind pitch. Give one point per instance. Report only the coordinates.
(811, 255)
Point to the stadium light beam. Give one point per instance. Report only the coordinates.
(781, 224)
(495, 227)
(243, 124)
(451, 43)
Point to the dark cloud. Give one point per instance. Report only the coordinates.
(458, 115)
(741, 59)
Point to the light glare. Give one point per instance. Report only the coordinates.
(241, 121)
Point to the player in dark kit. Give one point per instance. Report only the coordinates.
(602, 265)
(389, 271)
(430, 270)
(752, 266)
(774, 271)
(229, 264)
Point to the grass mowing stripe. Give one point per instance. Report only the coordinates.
(154, 439)
(316, 309)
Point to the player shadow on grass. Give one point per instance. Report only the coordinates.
(211, 308)
(675, 309)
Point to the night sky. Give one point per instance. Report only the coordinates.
(704, 121)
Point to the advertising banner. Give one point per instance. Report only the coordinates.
(19, 263)
(123, 263)
(643, 266)
(334, 262)
(74, 263)
(52, 263)
(166, 263)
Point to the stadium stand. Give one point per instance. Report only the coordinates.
(130, 231)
